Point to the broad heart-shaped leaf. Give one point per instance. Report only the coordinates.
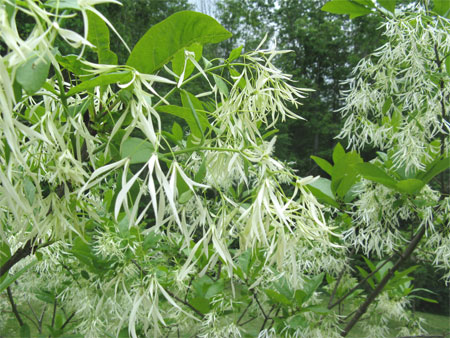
(98, 35)
(163, 40)
(186, 114)
(389, 4)
(410, 186)
(179, 59)
(374, 173)
(33, 73)
(137, 149)
(101, 80)
(346, 7)
(442, 7)
(321, 188)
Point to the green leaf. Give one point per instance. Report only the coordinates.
(137, 149)
(223, 88)
(32, 74)
(312, 285)
(187, 115)
(179, 59)
(177, 131)
(201, 304)
(25, 331)
(338, 153)
(300, 297)
(277, 297)
(433, 169)
(374, 173)
(82, 251)
(46, 296)
(429, 300)
(321, 188)
(102, 80)
(5, 254)
(345, 173)
(29, 189)
(98, 35)
(235, 53)
(163, 40)
(345, 7)
(215, 288)
(442, 7)
(388, 4)
(323, 164)
(233, 72)
(410, 186)
(201, 173)
(12, 278)
(364, 274)
(73, 64)
(298, 321)
(317, 309)
(387, 104)
(447, 64)
(151, 240)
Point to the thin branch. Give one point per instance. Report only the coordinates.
(338, 281)
(363, 308)
(185, 303)
(170, 293)
(41, 319)
(55, 304)
(33, 312)
(244, 312)
(68, 320)
(29, 248)
(359, 284)
(13, 306)
(248, 321)
(259, 304)
(29, 318)
(267, 318)
(71, 274)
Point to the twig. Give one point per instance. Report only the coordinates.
(363, 308)
(267, 318)
(185, 303)
(68, 320)
(338, 281)
(248, 321)
(55, 304)
(13, 306)
(259, 304)
(359, 284)
(29, 248)
(41, 319)
(245, 311)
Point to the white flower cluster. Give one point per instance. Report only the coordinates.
(398, 96)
